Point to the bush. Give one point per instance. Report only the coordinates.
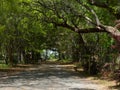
(117, 76)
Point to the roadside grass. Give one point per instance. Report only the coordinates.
(64, 61)
(56, 61)
(4, 66)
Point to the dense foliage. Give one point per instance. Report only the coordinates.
(69, 27)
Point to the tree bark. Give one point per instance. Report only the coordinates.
(10, 56)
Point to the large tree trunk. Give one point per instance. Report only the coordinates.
(10, 56)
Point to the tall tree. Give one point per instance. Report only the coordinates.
(81, 16)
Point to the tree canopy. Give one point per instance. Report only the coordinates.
(77, 29)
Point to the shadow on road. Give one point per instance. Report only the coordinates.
(36, 74)
(49, 76)
(44, 73)
(117, 87)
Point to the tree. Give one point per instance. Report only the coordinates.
(80, 16)
(18, 34)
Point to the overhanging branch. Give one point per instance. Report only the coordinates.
(104, 5)
(91, 30)
(86, 30)
(92, 11)
(98, 3)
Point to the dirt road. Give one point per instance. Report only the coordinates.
(48, 77)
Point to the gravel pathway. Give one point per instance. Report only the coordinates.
(48, 77)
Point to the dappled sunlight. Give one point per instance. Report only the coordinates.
(59, 44)
(49, 76)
